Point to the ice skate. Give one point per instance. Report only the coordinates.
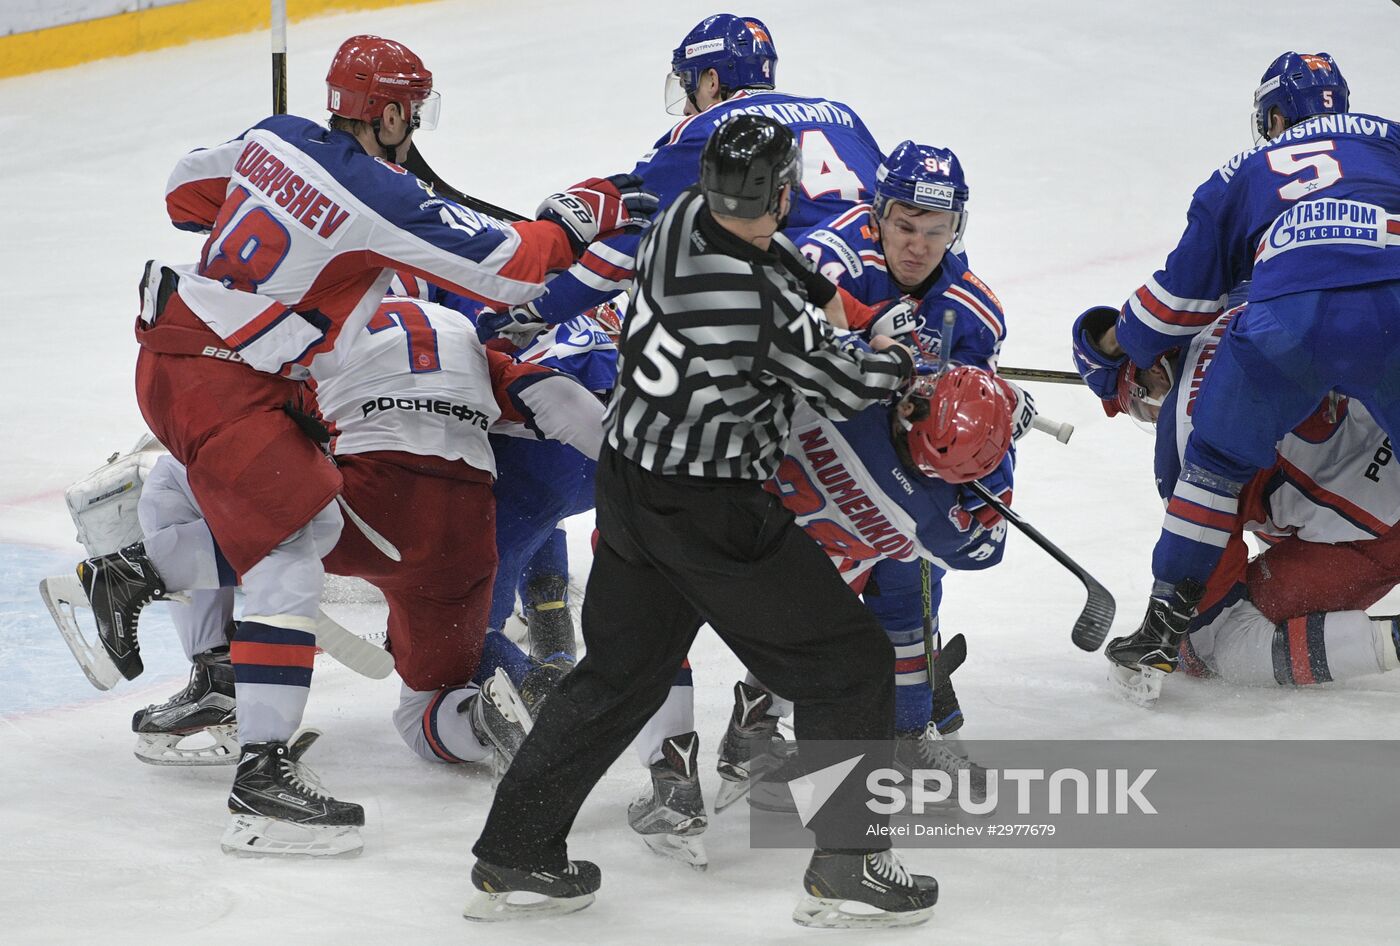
(670, 816)
(863, 891)
(752, 745)
(64, 597)
(195, 726)
(542, 680)
(278, 806)
(1140, 661)
(927, 749)
(499, 719)
(118, 586)
(508, 893)
(548, 624)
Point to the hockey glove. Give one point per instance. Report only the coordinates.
(518, 325)
(599, 207)
(1100, 372)
(896, 319)
(1023, 411)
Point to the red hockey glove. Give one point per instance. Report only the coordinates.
(599, 207)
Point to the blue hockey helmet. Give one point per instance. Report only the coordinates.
(738, 48)
(922, 176)
(1299, 85)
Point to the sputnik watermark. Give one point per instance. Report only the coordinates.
(1089, 791)
(1114, 792)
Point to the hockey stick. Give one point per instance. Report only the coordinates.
(279, 57)
(1040, 374)
(1061, 432)
(351, 649)
(417, 165)
(375, 539)
(1096, 619)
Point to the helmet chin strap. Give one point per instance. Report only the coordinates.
(391, 152)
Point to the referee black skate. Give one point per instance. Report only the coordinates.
(719, 344)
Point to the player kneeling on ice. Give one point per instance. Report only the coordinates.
(305, 223)
(881, 494)
(409, 405)
(1307, 218)
(1326, 509)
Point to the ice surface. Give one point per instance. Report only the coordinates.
(1084, 127)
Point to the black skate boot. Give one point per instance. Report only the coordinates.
(1139, 662)
(947, 714)
(876, 880)
(927, 749)
(670, 817)
(752, 745)
(205, 706)
(278, 806)
(548, 623)
(565, 891)
(118, 586)
(542, 680)
(499, 719)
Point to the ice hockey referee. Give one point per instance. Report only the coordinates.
(720, 342)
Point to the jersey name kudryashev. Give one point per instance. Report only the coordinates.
(416, 380)
(848, 490)
(300, 219)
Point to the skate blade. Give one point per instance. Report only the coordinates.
(821, 913)
(169, 748)
(63, 594)
(689, 851)
(486, 907)
(256, 836)
(509, 702)
(1139, 687)
(730, 792)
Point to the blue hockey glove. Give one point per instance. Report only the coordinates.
(519, 325)
(1099, 371)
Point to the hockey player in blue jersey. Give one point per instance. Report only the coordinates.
(1312, 217)
(904, 243)
(725, 66)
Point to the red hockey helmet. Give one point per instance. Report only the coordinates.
(370, 72)
(966, 428)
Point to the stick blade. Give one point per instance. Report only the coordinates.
(1096, 620)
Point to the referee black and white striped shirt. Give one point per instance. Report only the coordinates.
(719, 342)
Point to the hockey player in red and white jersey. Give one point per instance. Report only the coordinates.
(1294, 615)
(305, 225)
(407, 410)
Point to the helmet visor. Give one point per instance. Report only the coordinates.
(426, 111)
(676, 94)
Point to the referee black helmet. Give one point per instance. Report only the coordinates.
(745, 164)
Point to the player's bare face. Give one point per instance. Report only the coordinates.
(915, 241)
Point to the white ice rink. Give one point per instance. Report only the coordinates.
(1084, 127)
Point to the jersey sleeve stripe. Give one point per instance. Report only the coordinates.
(603, 268)
(978, 308)
(1199, 515)
(849, 217)
(1325, 497)
(1182, 303)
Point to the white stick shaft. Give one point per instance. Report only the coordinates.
(279, 26)
(1061, 432)
(377, 540)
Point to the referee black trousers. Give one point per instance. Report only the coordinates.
(675, 553)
